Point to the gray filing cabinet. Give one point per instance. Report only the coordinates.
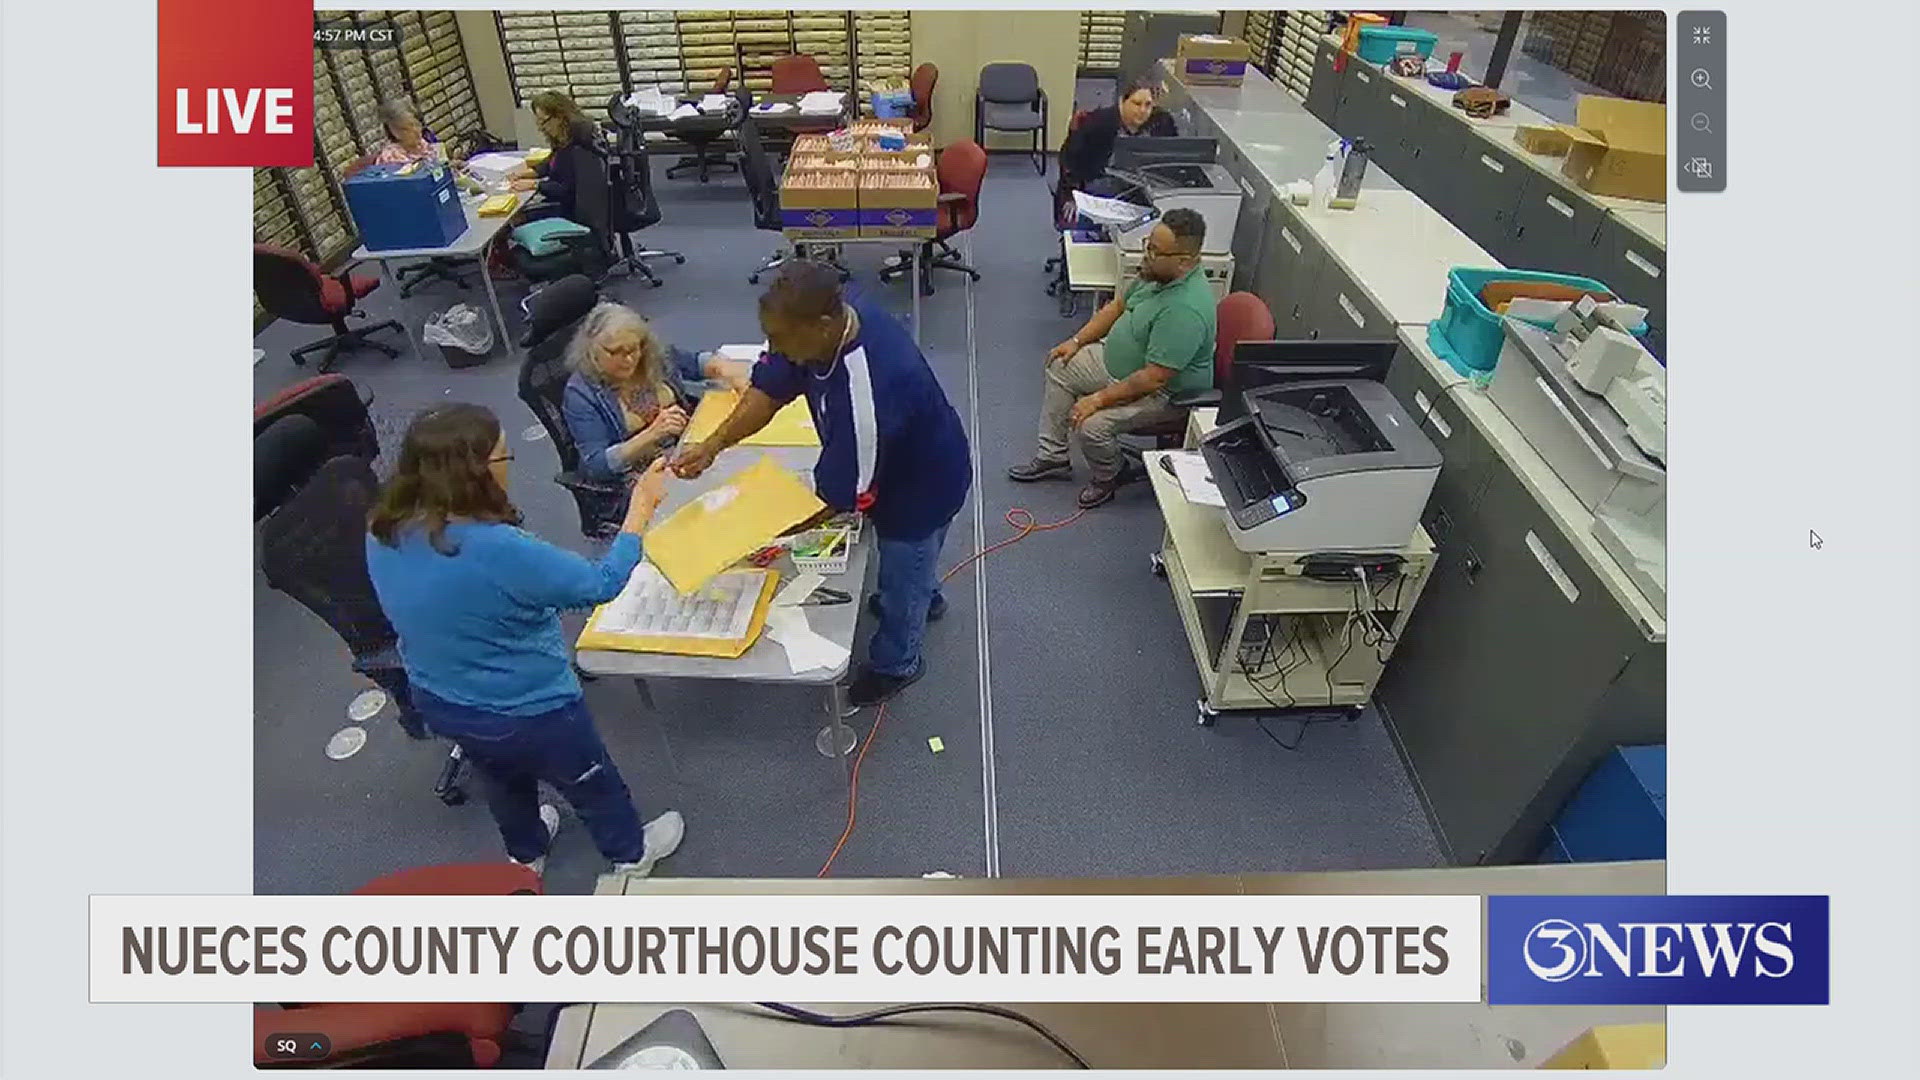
(1250, 229)
(1490, 185)
(1323, 93)
(1636, 268)
(1362, 103)
(1341, 311)
(1291, 265)
(1436, 143)
(1555, 230)
(1397, 111)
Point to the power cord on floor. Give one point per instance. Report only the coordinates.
(875, 1016)
(1024, 525)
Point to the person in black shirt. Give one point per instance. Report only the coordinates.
(1089, 148)
(571, 135)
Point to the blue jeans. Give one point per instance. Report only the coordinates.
(514, 753)
(909, 582)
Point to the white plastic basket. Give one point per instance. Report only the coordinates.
(826, 560)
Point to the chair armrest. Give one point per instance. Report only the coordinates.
(953, 196)
(1198, 399)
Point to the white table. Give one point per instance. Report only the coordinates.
(766, 660)
(471, 244)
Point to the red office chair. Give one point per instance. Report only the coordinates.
(798, 74)
(962, 167)
(1240, 316)
(392, 1035)
(722, 81)
(925, 77)
(290, 287)
(333, 403)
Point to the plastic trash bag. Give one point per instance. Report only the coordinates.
(462, 327)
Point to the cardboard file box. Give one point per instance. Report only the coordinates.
(1211, 60)
(1618, 147)
(904, 204)
(820, 206)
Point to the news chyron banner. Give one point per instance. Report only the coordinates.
(236, 83)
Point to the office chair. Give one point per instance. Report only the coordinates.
(313, 548)
(756, 167)
(555, 315)
(592, 252)
(332, 402)
(409, 1035)
(633, 205)
(703, 134)
(925, 77)
(291, 287)
(1009, 98)
(288, 452)
(1064, 218)
(1240, 316)
(798, 74)
(962, 168)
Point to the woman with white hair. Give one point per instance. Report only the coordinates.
(630, 394)
(407, 138)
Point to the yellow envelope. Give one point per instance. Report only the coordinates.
(539, 154)
(498, 205)
(791, 426)
(734, 519)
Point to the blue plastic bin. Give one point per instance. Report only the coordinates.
(396, 211)
(893, 105)
(1619, 813)
(1380, 44)
(1467, 334)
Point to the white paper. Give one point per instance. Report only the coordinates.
(713, 103)
(651, 607)
(1196, 480)
(821, 101)
(650, 101)
(684, 112)
(1108, 211)
(774, 107)
(749, 353)
(795, 592)
(806, 650)
(492, 167)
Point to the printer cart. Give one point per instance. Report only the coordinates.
(1264, 635)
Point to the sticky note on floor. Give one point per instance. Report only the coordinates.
(935, 743)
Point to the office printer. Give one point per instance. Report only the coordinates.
(1175, 173)
(1322, 465)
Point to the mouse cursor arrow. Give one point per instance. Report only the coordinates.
(1813, 540)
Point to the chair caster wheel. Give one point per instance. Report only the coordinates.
(1207, 713)
(453, 796)
(679, 260)
(753, 279)
(1157, 564)
(656, 282)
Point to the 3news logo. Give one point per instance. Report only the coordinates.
(1657, 950)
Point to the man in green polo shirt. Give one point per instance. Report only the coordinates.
(1153, 341)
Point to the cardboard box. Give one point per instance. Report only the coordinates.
(820, 206)
(822, 161)
(1619, 1046)
(1211, 60)
(1618, 147)
(1550, 141)
(904, 204)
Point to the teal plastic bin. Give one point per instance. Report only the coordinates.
(1467, 334)
(1380, 44)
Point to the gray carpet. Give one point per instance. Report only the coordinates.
(1097, 767)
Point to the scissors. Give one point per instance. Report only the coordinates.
(825, 597)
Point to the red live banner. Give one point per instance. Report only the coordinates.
(236, 82)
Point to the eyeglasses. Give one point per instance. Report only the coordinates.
(499, 460)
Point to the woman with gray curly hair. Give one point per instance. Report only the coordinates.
(407, 138)
(630, 394)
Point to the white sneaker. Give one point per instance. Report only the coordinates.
(662, 837)
(550, 817)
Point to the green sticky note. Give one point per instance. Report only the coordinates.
(936, 744)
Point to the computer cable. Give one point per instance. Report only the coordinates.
(880, 1015)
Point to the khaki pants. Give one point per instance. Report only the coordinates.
(1083, 374)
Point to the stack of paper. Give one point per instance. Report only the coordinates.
(1196, 480)
(1109, 211)
(791, 426)
(749, 353)
(713, 103)
(650, 101)
(721, 618)
(774, 107)
(806, 649)
(684, 112)
(821, 103)
(492, 167)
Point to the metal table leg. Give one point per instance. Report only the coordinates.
(914, 287)
(493, 298)
(837, 739)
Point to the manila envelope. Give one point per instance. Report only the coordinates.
(734, 519)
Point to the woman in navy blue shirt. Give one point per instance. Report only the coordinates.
(476, 602)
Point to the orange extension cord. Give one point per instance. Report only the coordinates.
(1024, 526)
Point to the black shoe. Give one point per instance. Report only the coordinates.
(1096, 493)
(869, 687)
(934, 610)
(1040, 469)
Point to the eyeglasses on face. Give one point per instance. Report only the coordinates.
(501, 458)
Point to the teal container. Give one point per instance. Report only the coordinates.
(1467, 334)
(1380, 44)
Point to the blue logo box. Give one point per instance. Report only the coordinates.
(1657, 950)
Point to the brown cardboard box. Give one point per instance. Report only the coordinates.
(899, 204)
(820, 206)
(1211, 60)
(822, 161)
(1619, 147)
(1550, 141)
(1618, 1046)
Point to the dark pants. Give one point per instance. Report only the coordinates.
(909, 581)
(514, 753)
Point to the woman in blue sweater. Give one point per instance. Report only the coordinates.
(476, 602)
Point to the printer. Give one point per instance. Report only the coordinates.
(1207, 188)
(1322, 465)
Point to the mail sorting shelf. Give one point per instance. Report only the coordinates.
(1314, 654)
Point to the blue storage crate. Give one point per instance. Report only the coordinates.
(893, 105)
(401, 207)
(1380, 44)
(1619, 813)
(1467, 335)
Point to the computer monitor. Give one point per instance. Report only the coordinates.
(1258, 364)
(1135, 152)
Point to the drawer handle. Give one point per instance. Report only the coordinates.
(1592, 447)
(1565, 210)
(1291, 241)
(1352, 312)
(1428, 416)
(1492, 164)
(1646, 267)
(1552, 566)
(1362, 76)
(1244, 186)
(1397, 100)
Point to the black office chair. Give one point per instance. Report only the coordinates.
(592, 252)
(555, 315)
(1009, 98)
(285, 455)
(756, 166)
(634, 205)
(313, 548)
(702, 135)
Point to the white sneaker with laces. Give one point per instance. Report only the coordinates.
(662, 836)
(550, 817)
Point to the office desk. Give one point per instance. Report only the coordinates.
(471, 244)
(766, 661)
(1143, 1035)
